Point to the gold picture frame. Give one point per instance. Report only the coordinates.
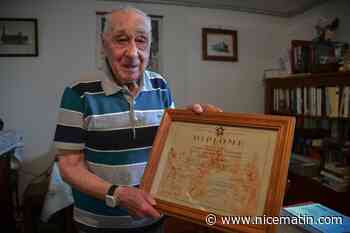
(220, 164)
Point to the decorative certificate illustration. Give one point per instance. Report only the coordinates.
(220, 169)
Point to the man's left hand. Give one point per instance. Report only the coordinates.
(200, 108)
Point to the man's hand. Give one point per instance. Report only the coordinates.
(199, 108)
(138, 202)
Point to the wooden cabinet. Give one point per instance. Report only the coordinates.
(307, 97)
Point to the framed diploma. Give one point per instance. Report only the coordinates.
(211, 167)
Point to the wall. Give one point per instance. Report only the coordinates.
(233, 86)
(30, 88)
(302, 27)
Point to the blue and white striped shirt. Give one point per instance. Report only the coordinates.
(116, 131)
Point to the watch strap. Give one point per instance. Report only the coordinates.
(111, 189)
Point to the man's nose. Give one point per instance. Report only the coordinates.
(131, 50)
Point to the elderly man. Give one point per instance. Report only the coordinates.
(106, 128)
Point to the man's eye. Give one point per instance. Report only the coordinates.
(141, 41)
(120, 40)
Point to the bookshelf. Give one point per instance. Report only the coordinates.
(316, 56)
(321, 105)
(301, 56)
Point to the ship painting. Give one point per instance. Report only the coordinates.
(13, 39)
(220, 47)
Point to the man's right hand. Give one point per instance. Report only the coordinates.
(138, 202)
(74, 171)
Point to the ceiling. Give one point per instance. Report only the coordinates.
(283, 8)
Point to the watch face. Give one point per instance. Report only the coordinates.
(110, 201)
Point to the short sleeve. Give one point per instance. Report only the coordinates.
(170, 100)
(70, 131)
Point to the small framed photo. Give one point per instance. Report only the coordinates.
(204, 167)
(19, 37)
(219, 44)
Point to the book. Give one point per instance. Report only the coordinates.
(337, 188)
(275, 100)
(306, 100)
(336, 177)
(313, 101)
(339, 169)
(312, 215)
(275, 73)
(344, 106)
(303, 166)
(299, 101)
(319, 101)
(333, 101)
(281, 100)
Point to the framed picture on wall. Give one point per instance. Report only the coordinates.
(155, 63)
(19, 37)
(219, 44)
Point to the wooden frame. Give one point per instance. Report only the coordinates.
(219, 45)
(220, 140)
(19, 37)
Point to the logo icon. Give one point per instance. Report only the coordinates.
(219, 131)
(210, 219)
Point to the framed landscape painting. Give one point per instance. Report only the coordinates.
(219, 44)
(19, 37)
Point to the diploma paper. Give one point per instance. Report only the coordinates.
(220, 169)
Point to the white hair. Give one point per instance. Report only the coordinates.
(109, 26)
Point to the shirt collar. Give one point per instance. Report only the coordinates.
(110, 86)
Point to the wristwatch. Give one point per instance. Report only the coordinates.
(110, 199)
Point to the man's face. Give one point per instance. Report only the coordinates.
(127, 45)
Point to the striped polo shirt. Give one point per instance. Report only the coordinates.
(116, 131)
